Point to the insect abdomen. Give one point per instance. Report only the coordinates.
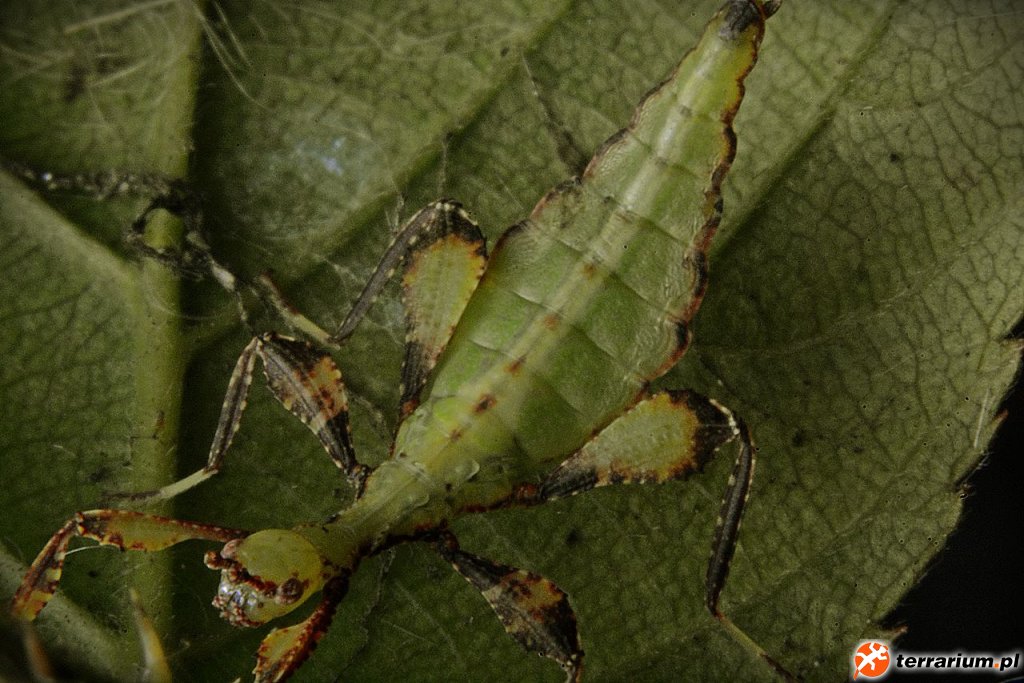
(590, 298)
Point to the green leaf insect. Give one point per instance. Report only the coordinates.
(526, 378)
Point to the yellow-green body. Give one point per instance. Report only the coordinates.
(581, 306)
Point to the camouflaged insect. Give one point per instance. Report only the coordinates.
(526, 381)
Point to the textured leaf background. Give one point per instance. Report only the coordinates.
(869, 269)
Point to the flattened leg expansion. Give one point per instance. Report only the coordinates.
(443, 266)
(668, 436)
(304, 380)
(533, 610)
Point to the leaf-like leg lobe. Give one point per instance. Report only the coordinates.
(307, 382)
(285, 649)
(667, 436)
(433, 219)
(442, 269)
(533, 610)
(664, 437)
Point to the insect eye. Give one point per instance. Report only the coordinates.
(265, 575)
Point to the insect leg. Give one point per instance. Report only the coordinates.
(285, 649)
(193, 259)
(442, 270)
(227, 425)
(306, 381)
(533, 610)
(170, 194)
(439, 218)
(669, 436)
(100, 184)
(444, 256)
(120, 528)
(572, 154)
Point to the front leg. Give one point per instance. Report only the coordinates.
(285, 649)
(120, 528)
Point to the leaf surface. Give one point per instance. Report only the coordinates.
(867, 272)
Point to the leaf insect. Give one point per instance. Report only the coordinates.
(600, 283)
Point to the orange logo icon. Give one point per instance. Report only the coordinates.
(870, 659)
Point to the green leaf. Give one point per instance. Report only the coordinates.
(868, 270)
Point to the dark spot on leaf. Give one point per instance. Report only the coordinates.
(895, 157)
(574, 537)
(99, 475)
(799, 438)
(75, 84)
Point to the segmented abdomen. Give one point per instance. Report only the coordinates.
(590, 298)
